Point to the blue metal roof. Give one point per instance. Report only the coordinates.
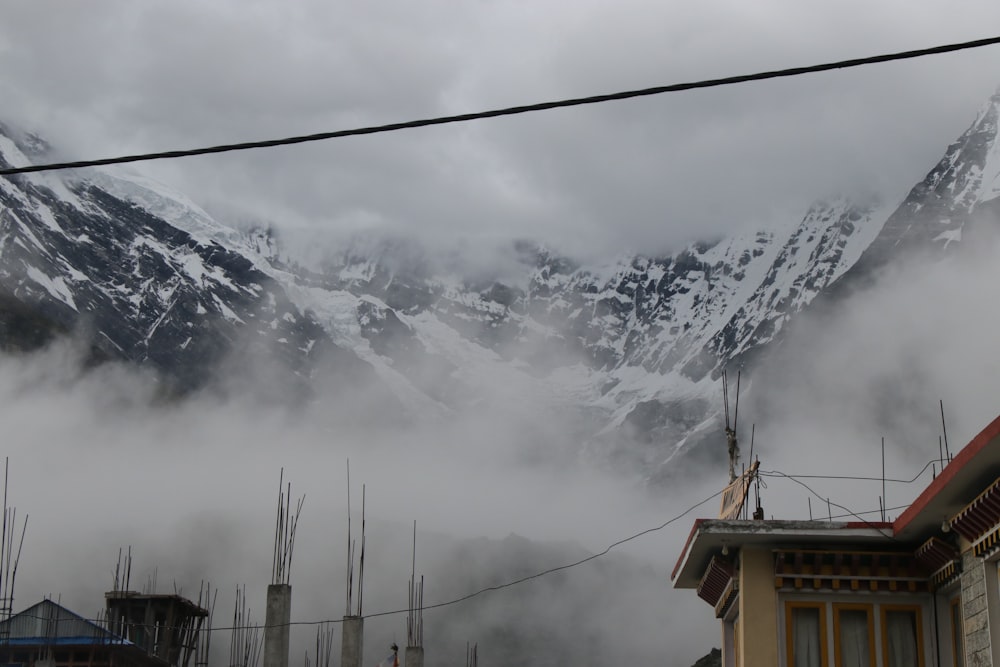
(51, 623)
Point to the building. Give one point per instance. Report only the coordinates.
(920, 591)
(142, 630)
(49, 635)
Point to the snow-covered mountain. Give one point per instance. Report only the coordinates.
(633, 347)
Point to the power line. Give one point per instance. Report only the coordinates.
(487, 589)
(559, 568)
(849, 511)
(563, 567)
(776, 473)
(511, 111)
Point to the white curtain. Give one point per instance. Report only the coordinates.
(805, 637)
(901, 635)
(855, 648)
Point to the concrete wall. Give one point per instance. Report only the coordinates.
(276, 628)
(758, 621)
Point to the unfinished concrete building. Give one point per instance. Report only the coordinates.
(165, 627)
(49, 635)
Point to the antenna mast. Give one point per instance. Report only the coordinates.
(731, 441)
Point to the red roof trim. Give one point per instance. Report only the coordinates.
(687, 544)
(961, 459)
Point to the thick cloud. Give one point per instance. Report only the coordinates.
(109, 77)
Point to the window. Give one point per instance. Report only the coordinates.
(902, 641)
(855, 638)
(957, 634)
(853, 634)
(805, 634)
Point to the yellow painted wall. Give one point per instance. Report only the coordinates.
(758, 643)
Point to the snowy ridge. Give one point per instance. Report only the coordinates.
(635, 345)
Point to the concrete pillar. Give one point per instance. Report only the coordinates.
(413, 656)
(758, 631)
(276, 625)
(352, 641)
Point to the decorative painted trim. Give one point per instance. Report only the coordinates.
(849, 570)
(987, 544)
(981, 516)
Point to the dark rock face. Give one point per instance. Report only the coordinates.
(75, 257)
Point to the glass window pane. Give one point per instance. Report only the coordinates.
(854, 642)
(806, 637)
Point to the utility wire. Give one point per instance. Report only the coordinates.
(511, 111)
(487, 589)
(333, 621)
(849, 511)
(562, 567)
(776, 473)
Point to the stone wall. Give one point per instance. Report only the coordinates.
(975, 612)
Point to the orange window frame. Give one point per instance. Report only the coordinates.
(790, 607)
(844, 606)
(915, 609)
(957, 633)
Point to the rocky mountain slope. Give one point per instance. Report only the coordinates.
(634, 348)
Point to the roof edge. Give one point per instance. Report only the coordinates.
(976, 445)
(686, 549)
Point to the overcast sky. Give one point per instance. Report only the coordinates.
(112, 76)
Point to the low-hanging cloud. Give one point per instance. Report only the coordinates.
(876, 366)
(115, 77)
(100, 461)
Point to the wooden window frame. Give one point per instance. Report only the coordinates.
(790, 607)
(884, 609)
(870, 613)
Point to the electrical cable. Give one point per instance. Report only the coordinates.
(511, 111)
(488, 589)
(775, 473)
(848, 510)
(537, 575)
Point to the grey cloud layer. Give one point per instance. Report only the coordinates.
(110, 77)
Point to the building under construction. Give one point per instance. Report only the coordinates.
(49, 635)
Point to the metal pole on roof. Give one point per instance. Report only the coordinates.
(944, 430)
(883, 501)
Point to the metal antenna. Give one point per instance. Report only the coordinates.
(883, 501)
(731, 441)
(944, 430)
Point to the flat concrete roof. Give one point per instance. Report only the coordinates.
(709, 536)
